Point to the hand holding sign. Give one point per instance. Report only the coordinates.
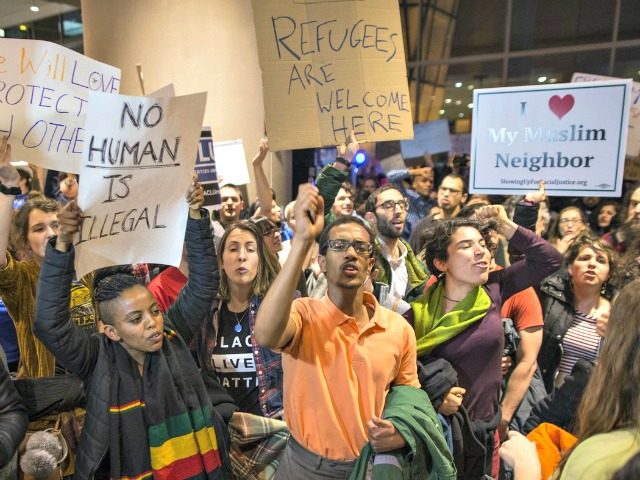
(195, 198)
(349, 150)
(9, 176)
(69, 223)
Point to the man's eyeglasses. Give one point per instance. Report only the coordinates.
(361, 248)
(391, 204)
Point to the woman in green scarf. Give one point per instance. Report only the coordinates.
(458, 318)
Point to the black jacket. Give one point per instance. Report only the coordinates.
(86, 355)
(13, 417)
(556, 298)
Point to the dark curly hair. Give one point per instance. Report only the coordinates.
(437, 239)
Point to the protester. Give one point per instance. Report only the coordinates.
(343, 203)
(458, 318)
(419, 195)
(570, 223)
(609, 416)
(399, 270)
(33, 225)
(230, 212)
(148, 413)
(341, 354)
(13, 422)
(622, 237)
(227, 346)
(574, 308)
(604, 218)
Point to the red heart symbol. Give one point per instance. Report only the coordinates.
(561, 106)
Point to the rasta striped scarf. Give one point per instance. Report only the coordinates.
(161, 423)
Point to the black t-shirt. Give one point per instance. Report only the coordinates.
(233, 361)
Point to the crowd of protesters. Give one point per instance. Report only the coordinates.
(398, 327)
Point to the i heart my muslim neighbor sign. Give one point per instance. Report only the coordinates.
(572, 136)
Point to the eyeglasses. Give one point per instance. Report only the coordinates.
(391, 204)
(361, 248)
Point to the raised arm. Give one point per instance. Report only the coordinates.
(193, 304)
(262, 183)
(329, 180)
(9, 178)
(71, 345)
(541, 260)
(273, 327)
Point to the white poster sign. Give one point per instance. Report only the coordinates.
(231, 163)
(44, 90)
(138, 159)
(633, 136)
(572, 136)
(428, 138)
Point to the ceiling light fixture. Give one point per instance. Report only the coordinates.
(457, 84)
(542, 79)
(447, 100)
(441, 112)
(34, 7)
(470, 105)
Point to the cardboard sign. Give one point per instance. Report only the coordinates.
(329, 67)
(206, 170)
(137, 163)
(44, 90)
(572, 136)
(231, 164)
(429, 137)
(633, 136)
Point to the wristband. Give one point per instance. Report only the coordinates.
(10, 190)
(343, 161)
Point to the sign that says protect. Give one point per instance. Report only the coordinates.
(329, 67)
(43, 100)
(572, 136)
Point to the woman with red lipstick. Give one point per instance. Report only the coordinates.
(252, 375)
(575, 308)
(458, 318)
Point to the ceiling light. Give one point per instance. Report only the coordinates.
(458, 102)
(542, 79)
(23, 28)
(457, 84)
(461, 115)
(470, 86)
(470, 105)
(34, 8)
(1, 32)
(447, 100)
(441, 112)
(553, 80)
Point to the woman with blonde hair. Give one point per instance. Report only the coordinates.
(251, 374)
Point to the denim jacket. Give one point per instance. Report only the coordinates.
(268, 363)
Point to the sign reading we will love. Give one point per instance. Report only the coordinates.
(44, 91)
(572, 136)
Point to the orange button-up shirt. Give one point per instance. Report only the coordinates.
(336, 376)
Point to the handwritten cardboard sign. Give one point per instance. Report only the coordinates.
(633, 137)
(429, 137)
(572, 136)
(138, 159)
(44, 90)
(329, 67)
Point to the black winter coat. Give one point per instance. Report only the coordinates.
(13, 417)
(86, 355)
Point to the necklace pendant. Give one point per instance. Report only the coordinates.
(238, 328)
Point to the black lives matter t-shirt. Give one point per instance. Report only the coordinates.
(232, 360)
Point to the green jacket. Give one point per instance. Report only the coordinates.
(428, 457)
(415, 269)
(329, 181)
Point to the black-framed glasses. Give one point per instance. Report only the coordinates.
(361, 248)
(391, 204)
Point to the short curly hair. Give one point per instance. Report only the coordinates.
(438, 236)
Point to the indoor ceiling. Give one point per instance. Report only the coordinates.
(15, 12)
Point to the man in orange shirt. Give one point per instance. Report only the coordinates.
(340, 354)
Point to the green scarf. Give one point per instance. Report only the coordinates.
(432, 328)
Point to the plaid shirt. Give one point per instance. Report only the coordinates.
(268, 363)
(256, 445)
